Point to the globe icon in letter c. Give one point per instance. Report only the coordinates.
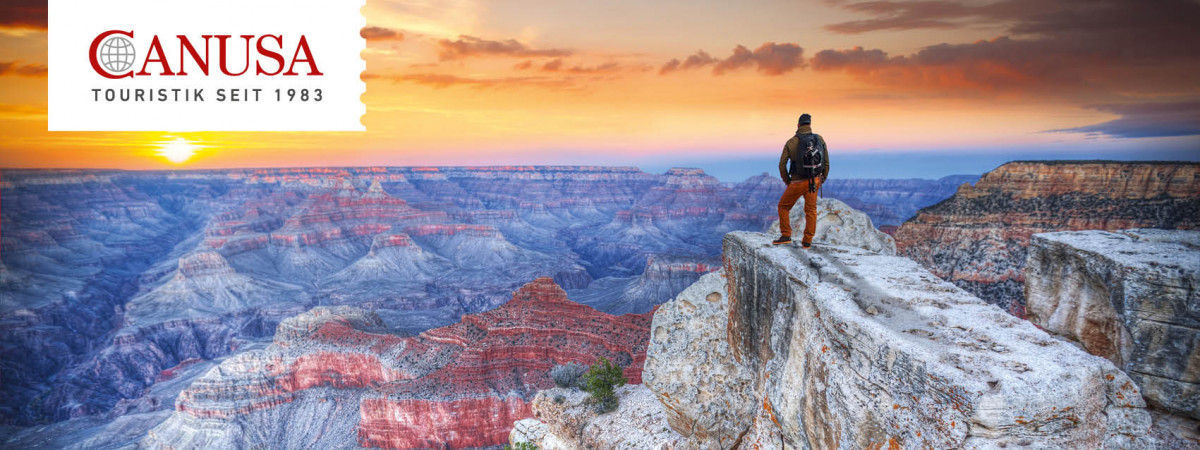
(116, 55)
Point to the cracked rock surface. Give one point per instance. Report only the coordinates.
(1131, 296)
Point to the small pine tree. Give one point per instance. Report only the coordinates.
(600, 380)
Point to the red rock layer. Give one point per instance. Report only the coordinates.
(462, 423)
(331, 215)
(461, 385)
(170, 373)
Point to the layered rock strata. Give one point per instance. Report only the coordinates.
(838, 347)
(979, 238)
(108, 278)
(1131, 296)
(73, 246)
(335, 377)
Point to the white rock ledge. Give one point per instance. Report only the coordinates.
(838, 347)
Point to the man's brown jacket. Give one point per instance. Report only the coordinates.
(789, 152)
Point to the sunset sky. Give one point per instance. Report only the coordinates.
(898, 89)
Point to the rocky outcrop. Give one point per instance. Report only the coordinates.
(206, 286)
(714, 404)
(979, 238)
(567, 420)
(336, 377)
(838, 347)
(839, 224)
(1131, 296)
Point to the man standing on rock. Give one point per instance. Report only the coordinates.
(810, 167)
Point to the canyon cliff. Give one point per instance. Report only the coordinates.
(839, 347)
(979, 238)
(109, 278)
(118, 289)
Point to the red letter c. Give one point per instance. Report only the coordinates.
(92, 54)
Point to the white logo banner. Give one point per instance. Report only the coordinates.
(247, 65)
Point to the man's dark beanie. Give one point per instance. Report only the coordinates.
(805, 119)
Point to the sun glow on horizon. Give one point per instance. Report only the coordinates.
(177, 151)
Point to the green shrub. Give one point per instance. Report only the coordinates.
(600, 380)
(521, 446)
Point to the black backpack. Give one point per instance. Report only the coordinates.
(809, 158)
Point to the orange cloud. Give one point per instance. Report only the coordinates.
(15, 68)
(470, 46)
(556, 65)
(698, 59)
(23, 14)
(1084, 49)
(769, 59)
(1030, 67)
(552, 65)
(373, 33)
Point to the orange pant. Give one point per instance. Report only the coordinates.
(790, 195)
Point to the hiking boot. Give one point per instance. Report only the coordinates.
(806, 244)
(782, 240)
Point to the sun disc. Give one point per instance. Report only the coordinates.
(177, 151)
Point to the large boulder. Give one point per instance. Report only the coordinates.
(839, 224)
(1131, 296)
(708, 395)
